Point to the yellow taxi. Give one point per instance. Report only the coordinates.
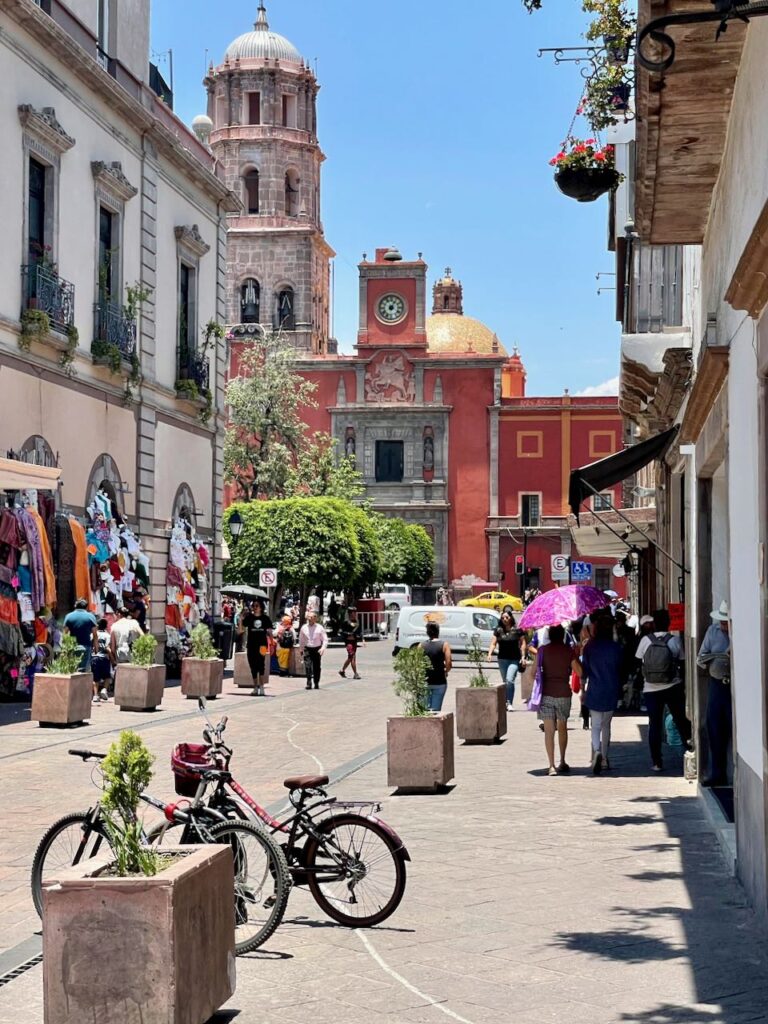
(495, 599)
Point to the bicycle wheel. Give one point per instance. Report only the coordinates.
(354, 871)
(262, 881)
(70, 840)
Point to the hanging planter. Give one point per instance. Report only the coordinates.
(617, 49)
(619, 97)
(583, 171)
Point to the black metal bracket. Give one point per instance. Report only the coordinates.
(589, 56)
(723, 12)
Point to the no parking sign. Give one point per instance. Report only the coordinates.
(267, 577)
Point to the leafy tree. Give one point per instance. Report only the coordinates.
(319, 471)
(369, 572)
(423, 554)
(266, 430)
(407, 551)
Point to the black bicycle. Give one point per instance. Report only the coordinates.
(262, 877)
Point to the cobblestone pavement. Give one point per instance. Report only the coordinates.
(530, 900)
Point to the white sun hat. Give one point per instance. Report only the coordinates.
(721, 614)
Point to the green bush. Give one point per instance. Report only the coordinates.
(127, 772)
(202, 644)
(410, 683)
(143, 650)
(68, 657)
(476, 657)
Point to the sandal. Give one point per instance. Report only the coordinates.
(552, 771)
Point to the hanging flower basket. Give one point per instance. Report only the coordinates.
(617, 49)
(619, 97)
(583, 171)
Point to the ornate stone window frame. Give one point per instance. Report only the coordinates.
(190, 249)
(44, 139)
(112, 190)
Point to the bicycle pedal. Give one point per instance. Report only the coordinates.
(269, 902)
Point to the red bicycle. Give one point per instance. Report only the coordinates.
(351, 860)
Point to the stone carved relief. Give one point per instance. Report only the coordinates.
(112, 179)
(390, 379)
(44, 125)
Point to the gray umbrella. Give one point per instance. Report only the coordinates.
(242, 590)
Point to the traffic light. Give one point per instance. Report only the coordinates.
(519, 565)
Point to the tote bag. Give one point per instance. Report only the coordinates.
(534, 702)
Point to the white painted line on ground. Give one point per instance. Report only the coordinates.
(296, 746)
(429, 1000)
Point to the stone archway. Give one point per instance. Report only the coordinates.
(106, 477)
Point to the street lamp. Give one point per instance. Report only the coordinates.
(235, 527)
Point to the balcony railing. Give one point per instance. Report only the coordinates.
(194, 368)
(44, 290)
(113, 327)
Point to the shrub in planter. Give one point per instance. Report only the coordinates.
(145, 910)
(481, 709)
(202, 675)
(34, 324)
(419, 744)
(583, 171)
(62, 695)
(140, 684)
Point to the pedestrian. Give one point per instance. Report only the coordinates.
(286, 640)
(81, 624)
(313, 641)
(440, 664)
(124, 631)
(556, 660)
(257, 629)
(715, 657)
(101, 663)
(584, 635)
(659, 654)
(352, 631)
(600, 668)
(509, 642)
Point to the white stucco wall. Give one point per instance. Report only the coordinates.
(182, 457)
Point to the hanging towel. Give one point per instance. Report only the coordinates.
(35, 556)
(82, 576)
(64, 563)
(47, 558)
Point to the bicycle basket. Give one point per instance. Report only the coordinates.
(188, 761)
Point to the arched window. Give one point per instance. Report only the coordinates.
(284, 315)
(292, 181)
(105, 477)
(184, 505)
(37, 451)
(250, 301)
(251, 184)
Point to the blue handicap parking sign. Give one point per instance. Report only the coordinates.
(581, 571)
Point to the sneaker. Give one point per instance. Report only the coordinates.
(96, 699)
(563, 768)
(103, 695)
(597, 762)
(344, 674)
(552, 771)
(657, 768)
(355, 676)
(509, 706)
(309, 686)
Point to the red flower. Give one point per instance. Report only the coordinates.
(590, 142)
(600, 157)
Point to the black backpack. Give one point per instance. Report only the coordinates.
(286, 638)
(659, 663)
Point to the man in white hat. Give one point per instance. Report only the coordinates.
(715, 657)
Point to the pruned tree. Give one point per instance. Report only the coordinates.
(407, 551)
(321, 472)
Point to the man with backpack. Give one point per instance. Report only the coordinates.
(124, 631)
(659, 654)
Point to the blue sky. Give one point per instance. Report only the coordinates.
(438, 120)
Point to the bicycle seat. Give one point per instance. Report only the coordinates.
(305, 781)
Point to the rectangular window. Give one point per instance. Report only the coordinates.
(186, 313)
(603, 578)
(530, 509)
(109, 287)
(602, 502)
(389, 462)
(102, 29)
(289, 110)
(254, 107)
(36, 207)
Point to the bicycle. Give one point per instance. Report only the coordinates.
(262, 878)
(352, 862)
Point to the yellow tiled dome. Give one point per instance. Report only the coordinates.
(447, 332)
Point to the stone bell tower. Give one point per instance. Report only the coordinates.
(447, 295)
(262, 102)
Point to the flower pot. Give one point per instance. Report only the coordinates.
(481, 713)
(62, 700)
(243, 675)
(585, 184)
(420, 752)
(202, 677)
(616, 50)
(619, 98)
(160, 950)
(139, 688)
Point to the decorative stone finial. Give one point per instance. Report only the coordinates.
(261, 24)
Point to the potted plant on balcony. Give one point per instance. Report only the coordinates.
(62, 695)
(584, 171)
(606, 97)
(481, 709)
(614, 24)
(125, 930)
(35, 323)
(202, 675)
(419, 744)
(140, 683)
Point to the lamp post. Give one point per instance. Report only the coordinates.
(235, 527)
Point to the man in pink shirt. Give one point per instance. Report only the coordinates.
(313, 641)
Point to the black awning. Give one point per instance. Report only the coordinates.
(609, 471)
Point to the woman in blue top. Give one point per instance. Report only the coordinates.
(601, 670)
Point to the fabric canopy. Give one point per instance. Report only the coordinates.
(23, 476)
(611, 470)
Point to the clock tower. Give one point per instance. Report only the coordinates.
(393, 296)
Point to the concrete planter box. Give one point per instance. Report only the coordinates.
(243, 675)
(420, 752)
(481, 713)
(62, 700)
(296, 666)
(139, 688)
(160, 950)
(202, 677)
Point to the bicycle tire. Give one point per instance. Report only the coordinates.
(278, 867)
(78, 818)
(312, 849)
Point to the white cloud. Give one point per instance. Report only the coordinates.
(608, 387)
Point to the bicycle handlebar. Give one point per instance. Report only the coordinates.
(86, 754)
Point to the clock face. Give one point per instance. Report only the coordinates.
(391, 308)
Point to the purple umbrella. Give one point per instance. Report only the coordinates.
(562, 605)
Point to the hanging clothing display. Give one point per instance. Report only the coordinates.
(186, 579)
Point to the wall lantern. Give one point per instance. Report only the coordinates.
(235, 527)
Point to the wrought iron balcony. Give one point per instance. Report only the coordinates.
(45, 291)
(194, 368)
(113, 327)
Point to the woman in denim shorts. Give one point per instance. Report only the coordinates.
(557, 662)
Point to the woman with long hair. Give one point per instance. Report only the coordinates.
(509, 641)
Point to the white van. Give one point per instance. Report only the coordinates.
(395, 596)
(457, 625)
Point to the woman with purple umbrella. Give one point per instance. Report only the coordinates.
(557, 660)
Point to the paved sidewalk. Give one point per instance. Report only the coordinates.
(530, 900)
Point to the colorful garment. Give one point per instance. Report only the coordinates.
(82, 575)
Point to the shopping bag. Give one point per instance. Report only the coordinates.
(534, 702)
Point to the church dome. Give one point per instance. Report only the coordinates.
(447, 332)
(262, 44)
